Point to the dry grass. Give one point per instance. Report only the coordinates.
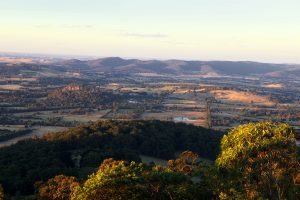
(12, 127)
(195, 118)
(149, 89)
(19, 79)
(180, 101)
(15, 60)
(84, 118)
(149, 74)
(244, 97)
(136, 89)
(93, 116)
(277, 85)
(11, 87)
(37, 131)
(168, 88)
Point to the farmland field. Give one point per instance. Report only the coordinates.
(244, 97)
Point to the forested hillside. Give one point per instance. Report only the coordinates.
(256, 161)
(79, 151)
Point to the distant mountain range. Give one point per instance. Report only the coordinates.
(173, 67)
(180, 67)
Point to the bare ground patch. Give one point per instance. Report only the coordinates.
(277, 85)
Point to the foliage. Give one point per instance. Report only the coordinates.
(185, 163)
(113, 180)
(57, 188)
(81, 97)
(258, 161)
(1, 193)
(78, 151)
(130, 180)
(201, 173)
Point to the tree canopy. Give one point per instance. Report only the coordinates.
(258, 161)
(79, 151)
(58, 188)
(1, 193)
(120, 180)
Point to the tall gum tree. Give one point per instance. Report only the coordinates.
(258, 161)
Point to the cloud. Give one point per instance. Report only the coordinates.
(144, 35)
(76, 26)
(41, 26)
(69, 26)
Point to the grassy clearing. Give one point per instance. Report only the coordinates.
(11, 87)
(244, 97)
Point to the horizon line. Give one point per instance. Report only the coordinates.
(84, 57)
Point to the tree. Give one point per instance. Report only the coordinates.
(118, 180)
(36, 159)
(164, 183)
(1, 193)
(57, 188)
(199, 174)
(258, 161)
(113, 180)
(185, 163)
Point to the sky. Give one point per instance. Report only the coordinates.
(256, 30)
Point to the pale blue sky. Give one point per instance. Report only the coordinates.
(260, 30)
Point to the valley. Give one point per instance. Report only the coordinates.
(72, 92)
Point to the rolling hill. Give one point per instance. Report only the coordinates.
(180, 67)
(171, 67)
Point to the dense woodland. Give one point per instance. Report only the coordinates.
(79, 151)
(82, 97)
(70, 96)
(255, 161)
